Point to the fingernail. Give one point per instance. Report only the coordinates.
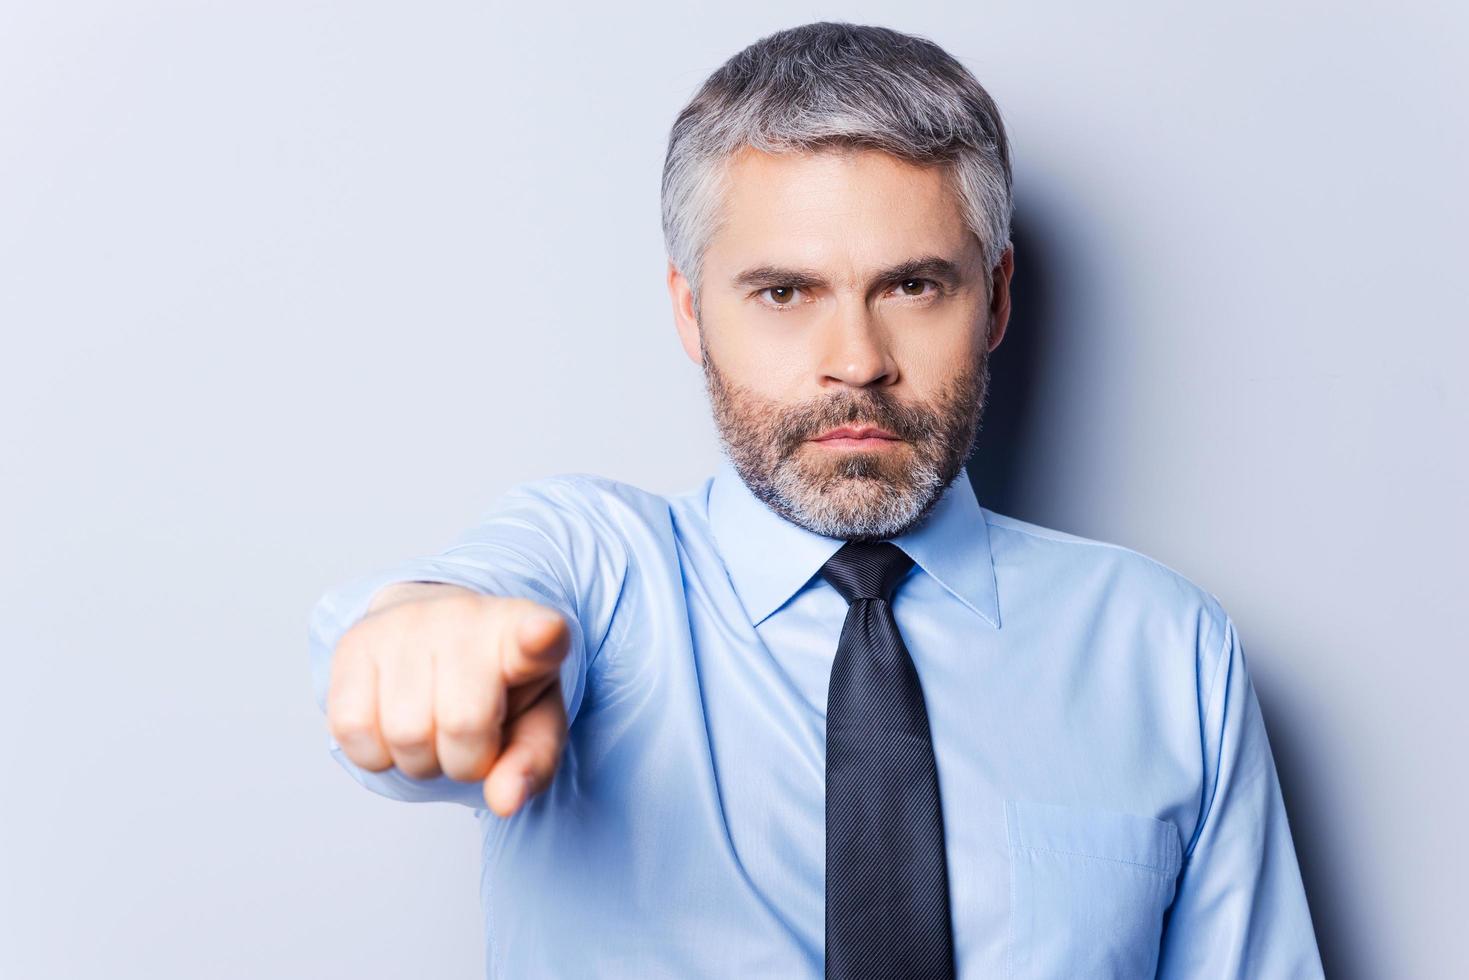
(527, 783)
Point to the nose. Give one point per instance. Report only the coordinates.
(855, 349)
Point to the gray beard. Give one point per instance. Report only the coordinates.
(857, 496)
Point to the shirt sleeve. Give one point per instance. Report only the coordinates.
(1240, 910)
(544, 540)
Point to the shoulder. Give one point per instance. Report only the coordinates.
(607, 507)
(1126, 580)
(591, 491)
(1091, 555)
(578, 489)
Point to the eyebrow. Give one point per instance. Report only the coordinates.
(934, 267)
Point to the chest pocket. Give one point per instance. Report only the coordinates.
(1088, 890)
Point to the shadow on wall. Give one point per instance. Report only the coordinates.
(1008, 451)
(1003, 446)
(1345, 953)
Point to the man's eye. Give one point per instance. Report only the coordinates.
(780, 295)
(915, 287)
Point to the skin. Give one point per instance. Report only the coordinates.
(439, 679)
(827, 339)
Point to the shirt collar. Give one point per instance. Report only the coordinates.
(769, 559)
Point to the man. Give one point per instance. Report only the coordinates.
(825, 714)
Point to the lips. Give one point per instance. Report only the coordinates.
(855, 432)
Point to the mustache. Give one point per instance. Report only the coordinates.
(909, 422)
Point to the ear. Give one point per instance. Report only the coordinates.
(1000, 297)
(683, 313)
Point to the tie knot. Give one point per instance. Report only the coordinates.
(867, 569)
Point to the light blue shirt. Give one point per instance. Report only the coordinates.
(1110, 802)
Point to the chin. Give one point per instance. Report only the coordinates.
(887, 465)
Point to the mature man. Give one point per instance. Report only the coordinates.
(825, 713)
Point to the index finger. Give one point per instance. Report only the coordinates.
(535, 645)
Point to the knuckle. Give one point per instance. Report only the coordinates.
(369, 758)
(418, 769)
(408, 734)
(464, 723)
(349, 724)
(467, 769)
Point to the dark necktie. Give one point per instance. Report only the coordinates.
(887, 885)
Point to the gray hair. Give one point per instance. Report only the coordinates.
(836, 85)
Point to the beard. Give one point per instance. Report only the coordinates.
(858, 495)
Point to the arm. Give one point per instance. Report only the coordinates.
(545, 541)
(1240, 910)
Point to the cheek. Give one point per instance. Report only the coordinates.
(929, 363)
(773, 380)
(755, 357)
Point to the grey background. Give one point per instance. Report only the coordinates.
(290, 291)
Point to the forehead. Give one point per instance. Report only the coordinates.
(836, 204)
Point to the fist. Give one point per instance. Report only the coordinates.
(457, 683)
